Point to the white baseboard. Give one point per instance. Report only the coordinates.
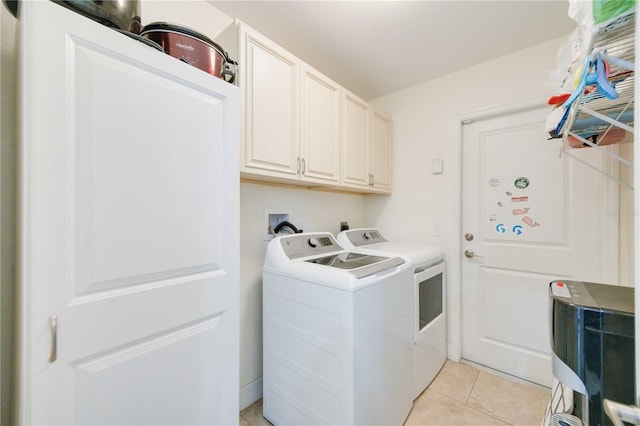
(250, 393)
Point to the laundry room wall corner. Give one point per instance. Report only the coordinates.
(424, 119)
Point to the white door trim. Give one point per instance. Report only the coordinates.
(454, 349)
(636, 220)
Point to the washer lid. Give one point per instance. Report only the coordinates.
(370, 239)
(359, 264)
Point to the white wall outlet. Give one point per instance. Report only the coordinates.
(435, 230)
(273, 217)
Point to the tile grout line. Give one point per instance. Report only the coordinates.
(482, 410)
(491, 415)
(466, 401)
(472, 407)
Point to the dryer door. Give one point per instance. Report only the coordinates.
(429, 302)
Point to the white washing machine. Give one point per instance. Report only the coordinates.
(429, 324)
(337, 345)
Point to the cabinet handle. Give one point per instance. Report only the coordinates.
(304, 168)
(298, 170)
(53, 328)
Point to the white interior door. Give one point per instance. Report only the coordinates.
(129, 230)
(531, 217)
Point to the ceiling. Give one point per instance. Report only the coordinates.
(378, 47)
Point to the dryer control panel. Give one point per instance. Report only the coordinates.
(365, 237)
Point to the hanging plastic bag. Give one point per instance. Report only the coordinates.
(598, 12)
(570, 57)
(606, 10)
(581, 11)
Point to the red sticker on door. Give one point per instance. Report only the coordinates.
(532, 223)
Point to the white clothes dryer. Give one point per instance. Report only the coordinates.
(337, 345)
(429, 324)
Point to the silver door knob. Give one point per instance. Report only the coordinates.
(470, 254)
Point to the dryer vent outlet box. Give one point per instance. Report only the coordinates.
(273, 218)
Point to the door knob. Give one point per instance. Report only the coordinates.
(470, 254)
(468, 236)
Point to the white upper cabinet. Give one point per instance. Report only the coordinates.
(301, 127)
(366, 146)
(320, 140)
(355, 142)
(271, 104)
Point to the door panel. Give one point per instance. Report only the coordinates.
(381, 155)
(535, 217)
(500, 288)
(124, 172)
(271, 129)
(129, 223)
(538, 211)
(320, 128)
(355, 141)
(121, 378)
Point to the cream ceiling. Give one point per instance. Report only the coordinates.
(378, 47)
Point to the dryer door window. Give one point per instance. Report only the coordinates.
(429, 300)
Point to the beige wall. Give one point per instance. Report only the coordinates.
(423, 122)
(626, 217)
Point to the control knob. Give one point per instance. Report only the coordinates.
(313, 242)
(367, 235)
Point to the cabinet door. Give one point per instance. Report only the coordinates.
(129, 221)
(381, 152)
(355, 141)
(271, 110)
(320, 142)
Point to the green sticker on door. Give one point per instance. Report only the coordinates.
(521, 183)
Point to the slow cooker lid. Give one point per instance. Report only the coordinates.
(141, 39)
(173, 28)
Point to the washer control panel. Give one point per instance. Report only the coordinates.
(320, 242)
(301, 245)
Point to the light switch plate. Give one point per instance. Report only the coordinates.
(437, 166)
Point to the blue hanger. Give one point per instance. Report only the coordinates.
(597, 77)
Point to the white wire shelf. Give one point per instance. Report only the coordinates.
(593, 116)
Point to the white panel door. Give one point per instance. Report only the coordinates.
(532, 217)
(129, 230)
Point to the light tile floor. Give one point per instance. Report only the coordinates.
(461, 395)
